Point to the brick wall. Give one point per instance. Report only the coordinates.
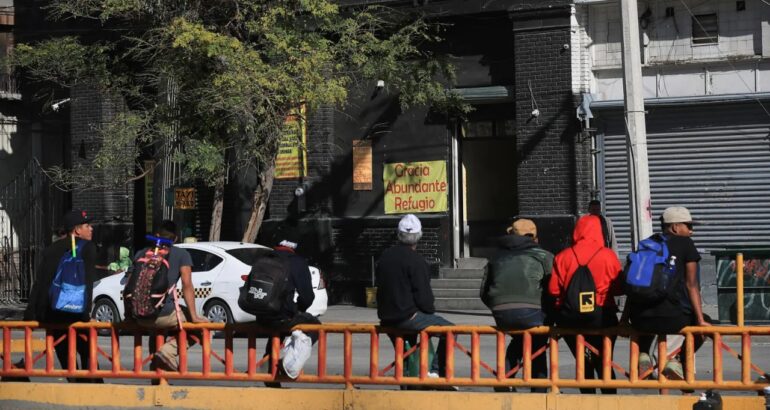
(553, 176)
(89, 109)
(320, 125)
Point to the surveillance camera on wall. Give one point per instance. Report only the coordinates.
(55, 106)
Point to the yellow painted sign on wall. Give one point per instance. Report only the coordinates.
(362, 165)
(184, 198)
(415, 187)
(291, 161)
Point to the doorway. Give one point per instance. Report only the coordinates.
(489, 198)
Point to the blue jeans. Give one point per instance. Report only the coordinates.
(520, 319)
(419, 322)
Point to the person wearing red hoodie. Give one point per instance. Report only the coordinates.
(587, 250)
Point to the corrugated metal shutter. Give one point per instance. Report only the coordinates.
(713, 160)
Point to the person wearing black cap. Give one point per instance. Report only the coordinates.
(79, 233)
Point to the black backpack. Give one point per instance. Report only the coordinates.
(579, 304)
(265, 289)
(147, 287)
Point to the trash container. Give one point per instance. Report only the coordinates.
(756, 284)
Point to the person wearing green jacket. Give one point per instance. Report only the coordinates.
(513, 289)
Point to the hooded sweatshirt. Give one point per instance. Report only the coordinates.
(604, 264)
(516, 273)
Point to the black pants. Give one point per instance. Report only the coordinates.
(285, 326)
(593, 362)
(81, 347)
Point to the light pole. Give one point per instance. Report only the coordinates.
(636, 130)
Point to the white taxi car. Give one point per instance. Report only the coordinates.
(219, 270)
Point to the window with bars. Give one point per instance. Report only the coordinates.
(705, 29)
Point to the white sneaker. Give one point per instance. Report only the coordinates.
(434, 375)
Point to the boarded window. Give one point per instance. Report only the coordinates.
(705, 29)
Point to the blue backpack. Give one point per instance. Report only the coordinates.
(650, 272)
(68, 291)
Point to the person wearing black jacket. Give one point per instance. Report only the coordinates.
(78, 226)
(292, 313)
(404, 296)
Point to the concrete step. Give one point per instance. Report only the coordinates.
(460, 304)
(461, 273)
(455, 293)
(472, 263)
(455, 283)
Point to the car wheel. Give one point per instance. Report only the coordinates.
(105, 311)
(217, 311)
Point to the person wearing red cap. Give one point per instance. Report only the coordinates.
(588, 250)
(77, 224)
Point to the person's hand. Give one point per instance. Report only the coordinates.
(703, 322)
(200, 319)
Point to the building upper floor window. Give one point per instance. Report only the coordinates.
(705, 29)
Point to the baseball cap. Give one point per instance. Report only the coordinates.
(523, 227)
(74, 218)
(409, 224)
(677, 214)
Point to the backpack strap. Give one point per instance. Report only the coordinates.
(589, 259)
(177, 309)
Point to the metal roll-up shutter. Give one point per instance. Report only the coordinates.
(714, 160)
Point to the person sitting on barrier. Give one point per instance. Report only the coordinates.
(584, 282)
(289, 313)
(513, 289)
(77, 247)
(404, 296)
(171, 315)
(683, 305)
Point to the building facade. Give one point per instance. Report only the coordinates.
(706, 79)
(519, 153)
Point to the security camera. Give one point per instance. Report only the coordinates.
(55, 106)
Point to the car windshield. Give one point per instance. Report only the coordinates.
(248, 255)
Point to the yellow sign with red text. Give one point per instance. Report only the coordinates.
(291, 161)
(415, 187)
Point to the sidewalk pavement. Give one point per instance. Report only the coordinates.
(12, 311)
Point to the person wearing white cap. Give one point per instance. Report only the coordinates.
(404, 296)
(683, 307)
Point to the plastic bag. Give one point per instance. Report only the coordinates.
(295, 352)
(412, 363)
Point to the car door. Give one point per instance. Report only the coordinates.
(206, 267)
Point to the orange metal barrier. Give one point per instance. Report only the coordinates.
(236, 362)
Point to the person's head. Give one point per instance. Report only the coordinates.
(676, 220)
(166, 229)
(409, 230)
(523, 227)
(77, 223)
(595, 207)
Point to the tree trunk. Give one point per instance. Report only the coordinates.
(216, 213)
(259, 204)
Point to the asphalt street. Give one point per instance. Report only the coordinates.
(350, 314)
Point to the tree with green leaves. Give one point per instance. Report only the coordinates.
(209, 84)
